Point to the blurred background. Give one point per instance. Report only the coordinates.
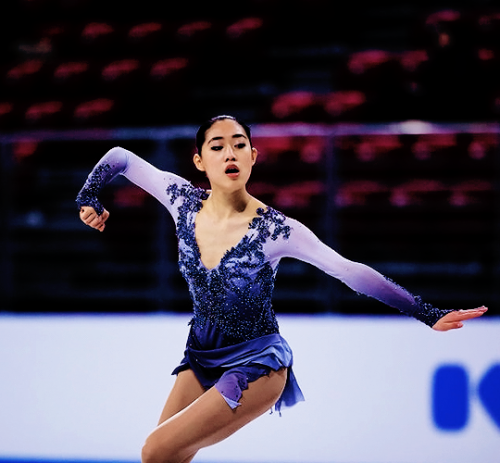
(377, 127)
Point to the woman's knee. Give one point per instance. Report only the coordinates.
(149, 452)
(164, 450)
(156, 452)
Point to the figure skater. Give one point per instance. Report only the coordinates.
(236, 365)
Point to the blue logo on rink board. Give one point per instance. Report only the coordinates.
(452, 394)
(489, 393)
(450, 398)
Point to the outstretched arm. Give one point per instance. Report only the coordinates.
(304, 245)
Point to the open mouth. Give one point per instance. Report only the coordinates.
(232, 170)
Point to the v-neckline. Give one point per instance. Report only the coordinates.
(259, 214)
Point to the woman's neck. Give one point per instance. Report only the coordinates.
(223, 205)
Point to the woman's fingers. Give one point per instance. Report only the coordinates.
(86, 211)
(103, 218)
(89, 217)
(455, 319)
(105, 215)
(468, 314)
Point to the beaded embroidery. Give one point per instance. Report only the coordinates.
(88, 194)
(427, 313)
(423, 311)
(236, 294)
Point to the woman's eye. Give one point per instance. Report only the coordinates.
(241, 145)
(216, 148)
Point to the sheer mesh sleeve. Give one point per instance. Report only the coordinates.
(119, 161)
(304, 245)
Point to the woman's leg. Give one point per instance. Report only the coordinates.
(209, 420)
(185, 391)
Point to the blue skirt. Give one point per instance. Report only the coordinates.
(231, 368)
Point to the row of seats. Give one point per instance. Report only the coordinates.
(310, 150)
(369, 148)
(121, 68)
(443, 27)
(163, 78)
(108, 109)
(417, 192)
(356, 63)
(149, 34)
(54, 112)
(60, 73)
(300, 195)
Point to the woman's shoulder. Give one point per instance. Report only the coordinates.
(186, 194)
(273, 221)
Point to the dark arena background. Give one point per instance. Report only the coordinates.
(377, 127)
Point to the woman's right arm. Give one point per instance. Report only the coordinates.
(119, 161)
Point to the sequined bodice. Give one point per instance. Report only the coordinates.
(232, 302)
(235, 296)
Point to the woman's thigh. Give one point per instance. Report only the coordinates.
(185, 391)
(209, 419)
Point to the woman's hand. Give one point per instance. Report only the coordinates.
(89, 217)
(453, 320)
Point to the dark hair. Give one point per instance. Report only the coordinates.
(200, 134)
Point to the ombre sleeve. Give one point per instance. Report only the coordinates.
(119, 161)
(304, 245)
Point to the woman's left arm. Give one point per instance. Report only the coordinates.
(303, 244)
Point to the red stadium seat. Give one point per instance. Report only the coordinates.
(166, 67)
(340, 102)
(292, 103)
(298, 195)
(25, 69)
(193, 29)
(93, 108)
(414, 192)
(270, 148)
(481, 144)
(65, 71)
(119, 68)
(471, 192)
(6, 108)
(144, 30)
(39, 111)
(129, 196)
(371, 147)
(358, 192)
(244, 27)
(411, 60)
(360, 62)
(426, 145)
(96, 30)
(23, 149)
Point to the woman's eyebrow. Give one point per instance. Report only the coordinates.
(236, 135)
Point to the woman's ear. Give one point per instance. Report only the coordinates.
(255, 153)
(198, 162)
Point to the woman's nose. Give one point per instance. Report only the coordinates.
(230, 155)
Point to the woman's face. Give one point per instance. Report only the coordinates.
(227, 156)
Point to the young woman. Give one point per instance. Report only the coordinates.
(236, 365)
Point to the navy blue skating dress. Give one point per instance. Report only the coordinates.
(234, 335)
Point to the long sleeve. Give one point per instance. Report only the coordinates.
(304, 245)
(119, 161)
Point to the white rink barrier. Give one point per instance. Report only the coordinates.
(378, 390)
